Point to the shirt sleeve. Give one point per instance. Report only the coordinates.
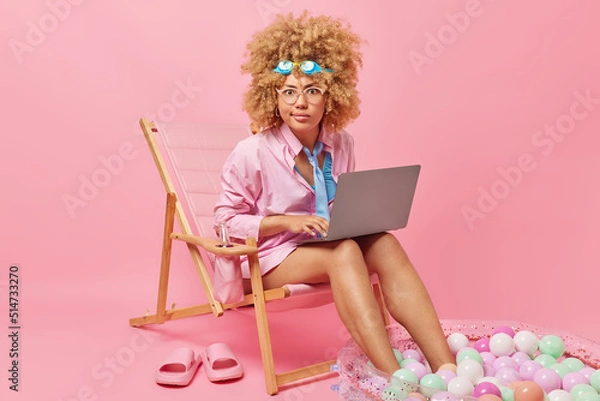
(241, 186)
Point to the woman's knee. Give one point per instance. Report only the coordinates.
(346, 255)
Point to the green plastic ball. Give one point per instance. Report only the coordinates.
(552, 345)
(432, 380)
(398, 356)
(561, 369)
(508, 394)
(545, 360)
(573, 364)
(595, 380)
(406, 375)
(580, 389)
(468, 353)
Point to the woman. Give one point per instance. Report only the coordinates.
(303, 93)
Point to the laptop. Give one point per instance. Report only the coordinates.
(371, 201)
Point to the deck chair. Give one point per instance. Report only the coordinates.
(192, 182)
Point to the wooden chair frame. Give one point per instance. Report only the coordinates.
(273, 380)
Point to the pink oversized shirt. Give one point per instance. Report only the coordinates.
(259, 179)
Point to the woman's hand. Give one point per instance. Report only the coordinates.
(312, 225)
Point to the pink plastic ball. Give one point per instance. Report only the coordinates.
(528, 368)
(505, 330)
(486, 388)
(488, 358)
(548, 379)
(504, 362)
(482, 345)
(507, 375)
(446, 375)
(417, 368)
(572, 379)
(412, 354)
(520, 357)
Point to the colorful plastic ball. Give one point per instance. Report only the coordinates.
(526, 341)
(461, 386)
(407, 361)
(508, 394)
(486, 388)
(482, 345)
(552, 345)
(488, 358)
(572, 379)
(505, 361)
(548, 379)
(502, 344)
(490, 397)
(580, 389)
(528, 368)
(574, 364)
(432, 380)
(444, 396)
(406, 375)
(561, 369)
(470, 369)
(545, 360)
(529, 391)
(491, 379)
(589, 397)
(412, 354)
(519, 357)
(457, 341)
(559, 395)
(446, 374)
(448, 366)
(595, 380)
(587, 372)
(489, 371)
(504, 329)
(417, 396)
(417, 368)
(398, 355)
(507, 375)
(468, 353)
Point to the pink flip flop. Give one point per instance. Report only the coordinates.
(221, 364)
(178, 368)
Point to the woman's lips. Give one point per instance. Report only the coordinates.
(300, 117)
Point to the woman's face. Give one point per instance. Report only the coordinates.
(305, 114)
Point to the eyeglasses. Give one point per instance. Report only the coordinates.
(313, 95)
(308, 67)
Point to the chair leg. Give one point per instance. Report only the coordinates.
(163, 284)
(260, 308)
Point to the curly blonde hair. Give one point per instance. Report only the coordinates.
(322, 39)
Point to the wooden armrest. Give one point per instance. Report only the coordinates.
(213, 245)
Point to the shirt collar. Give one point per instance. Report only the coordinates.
(296, 146)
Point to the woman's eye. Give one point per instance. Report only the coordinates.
(289, 92)
(312, 91)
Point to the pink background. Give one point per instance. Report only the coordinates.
(472, 90)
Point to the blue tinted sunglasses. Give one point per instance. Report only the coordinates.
(308, 67)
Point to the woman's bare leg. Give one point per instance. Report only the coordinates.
(342, 264)
(406, 297)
